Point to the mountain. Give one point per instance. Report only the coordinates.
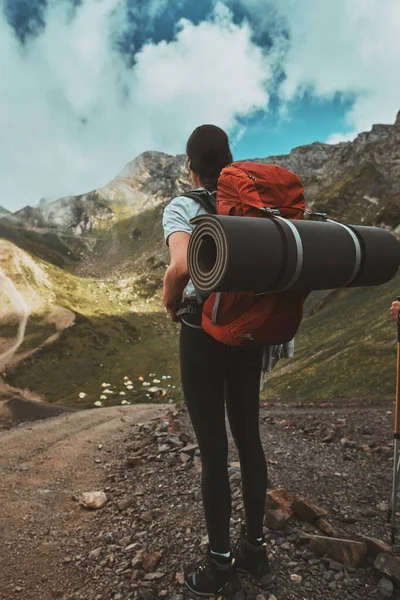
(355, 181)
(4, 212)
(103, 258)
(144, 183)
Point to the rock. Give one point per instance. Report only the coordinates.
(296, 578)
(136, 561)
(132, 461)
(348, 520)
(190, 449)
(385, 588)
(154, 576)
(147, 516)
(347, 552)
(95, 553)
(124, 504)
(335, 566)
(180, 577)
(174, 426)
(280, 498)
(276, 519)
(131, 547)
(235, 465)
(93, 500)
(375, 547)
(365, 448)
(146, 594)
(164, 448)
(236, 477)
(332, 585)
(278, 508)
(389, 565)
(324, 526)
(307, 510)
(150, 561)
(139, 491)
(185, 458)
(197, 465)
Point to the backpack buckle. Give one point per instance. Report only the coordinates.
(315, 216)
(272, 211)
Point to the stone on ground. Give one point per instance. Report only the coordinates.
(389, 565)
(307, 510)
(347, 552)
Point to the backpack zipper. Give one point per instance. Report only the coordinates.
(247, 173)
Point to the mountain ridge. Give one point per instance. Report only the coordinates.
(365, 171)
(104, 259)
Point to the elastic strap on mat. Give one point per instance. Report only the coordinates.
(215, 309)
(300, 253)
(357, 248)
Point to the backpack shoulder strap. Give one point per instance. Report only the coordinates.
(205, 198)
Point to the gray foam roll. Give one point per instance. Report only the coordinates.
(264, 255)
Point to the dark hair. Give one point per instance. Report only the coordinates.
(208, 151)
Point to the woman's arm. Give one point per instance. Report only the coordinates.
(177, 275)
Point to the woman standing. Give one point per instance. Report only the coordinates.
(214, 375)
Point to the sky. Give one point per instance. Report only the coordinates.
(87, 85)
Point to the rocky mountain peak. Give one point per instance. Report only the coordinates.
(352, 180)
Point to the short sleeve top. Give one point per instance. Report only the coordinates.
(177, 216)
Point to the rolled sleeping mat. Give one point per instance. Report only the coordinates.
(260, 255)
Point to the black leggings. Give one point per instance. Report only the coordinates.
(213, 374)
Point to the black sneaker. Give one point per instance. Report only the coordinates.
(212, 578)
(253, 560)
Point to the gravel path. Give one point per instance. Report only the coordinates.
(339, 455)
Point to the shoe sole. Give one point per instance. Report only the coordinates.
(266, 581)
(238, 596)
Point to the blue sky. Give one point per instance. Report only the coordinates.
(89, 84)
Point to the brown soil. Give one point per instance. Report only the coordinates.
(52, 548)
(42, 467)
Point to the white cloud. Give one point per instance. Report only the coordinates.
(337, 138)
(348, 47)
(72, 113)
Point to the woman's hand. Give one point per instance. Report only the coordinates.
(395, 311)
(177, 275)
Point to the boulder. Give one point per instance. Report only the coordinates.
(278, 509)
(389, 565)
(375, 547)
(324, 526)
(307, 510)
(348, 552)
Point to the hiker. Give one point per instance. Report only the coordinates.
(395, 311)
(214, 375)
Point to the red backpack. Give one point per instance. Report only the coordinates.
(248, 189)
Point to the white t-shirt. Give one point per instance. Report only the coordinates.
(177, 216)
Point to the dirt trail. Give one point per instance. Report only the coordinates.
(42, 467)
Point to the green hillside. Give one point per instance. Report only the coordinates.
(346, 347)
(91, 269)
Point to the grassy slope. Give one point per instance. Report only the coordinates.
(119, 325)
(346, 347)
